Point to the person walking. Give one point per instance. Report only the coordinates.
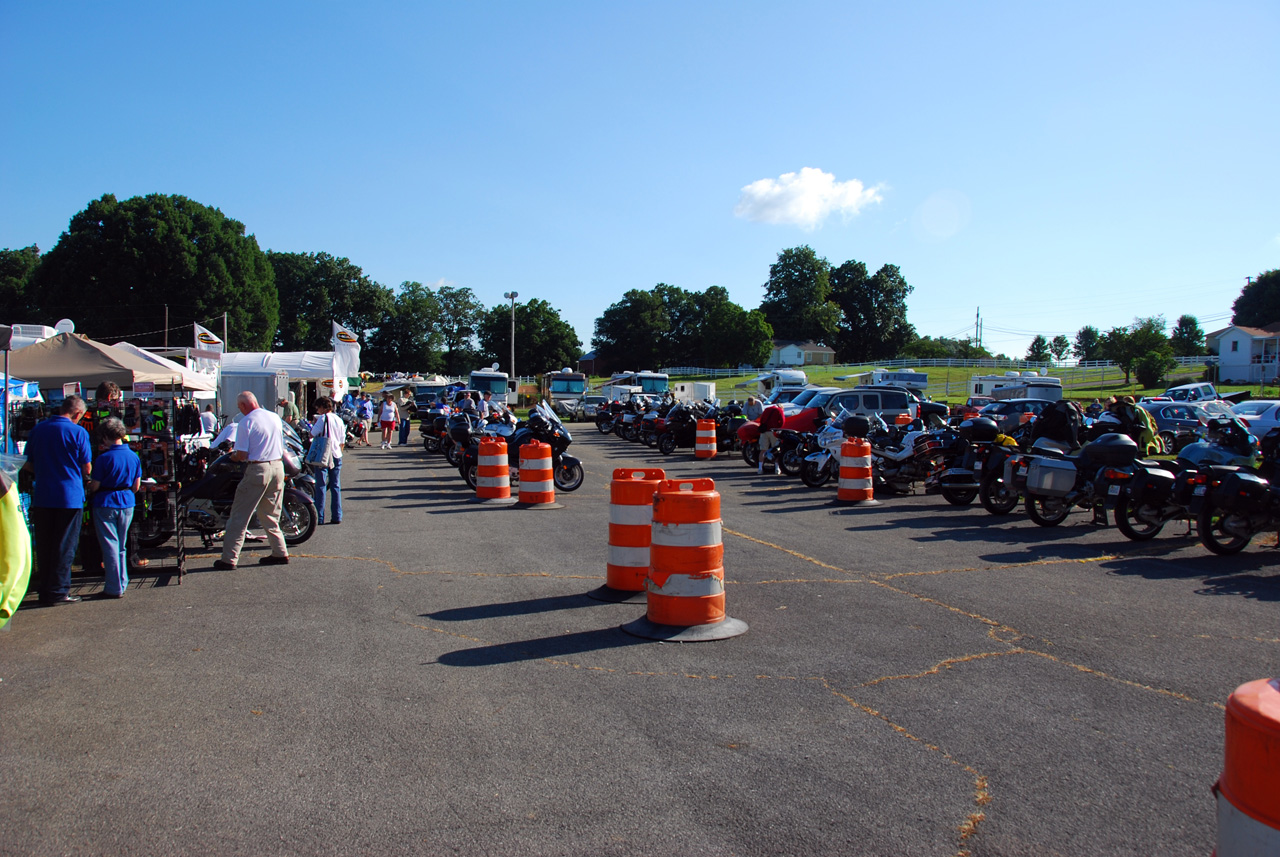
(408, 410)
(114, 482)
(388, 418)
(771, 419)
(328, 429)
(59, 456)
(364, 410)
(260, 442)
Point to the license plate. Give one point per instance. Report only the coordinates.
(1113, 490)
(1199, 490)
(977, 465)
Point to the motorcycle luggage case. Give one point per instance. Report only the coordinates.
(1151, 486)
(979, 430)
(1243, 492)
(1048, 477)
(1112, 450)
(856, 427)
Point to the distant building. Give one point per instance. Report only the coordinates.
(794, 352)
(588, 364)
(1247, 355)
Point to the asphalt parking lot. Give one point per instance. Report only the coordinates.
(430, 678)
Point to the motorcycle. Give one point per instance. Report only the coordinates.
(995, 494)
(822, 464)
(960, 477)
(543, 425)
(908, 454)
(1176, 490)
(1243, 504)
(1053, 483)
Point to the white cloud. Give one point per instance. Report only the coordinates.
(805, 198)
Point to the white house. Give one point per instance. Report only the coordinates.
(793, 352)
(1248, 355)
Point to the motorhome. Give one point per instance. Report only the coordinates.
(769, 383)
(493, 381)
(651, 383)
(917, 382)
(1016, 385)
(564, 386)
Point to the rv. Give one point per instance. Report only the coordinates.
(650, 383)
(917, 382)
(1016, 385)
(769, 383)
(564, 386)
(493, 381)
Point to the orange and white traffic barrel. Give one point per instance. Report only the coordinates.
(855, 485)
(704, 442)
(686, 567)
(902, 419)
(493, 471)
(1248, 792)
(537, 482)
(630, 530)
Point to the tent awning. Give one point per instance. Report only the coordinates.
(298, 365)
(67, 357)
(191, 380)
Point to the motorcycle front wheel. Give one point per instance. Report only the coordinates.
(1213, 536)
(959, 496)
(1131, 526)
(630, 433)
(604, 426)
(297, 518)
(568, 477)
(431, 443)
(666, 443)
(1047, 511)
(648, 438)
(791, 462)
(751, 453)
(995, 499)
(453, 454)
(815, 475)
(468, 473)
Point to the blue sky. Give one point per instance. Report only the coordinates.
(1055, 166)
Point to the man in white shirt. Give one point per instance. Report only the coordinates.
(260, 442)
(209, 420)
(486, 404)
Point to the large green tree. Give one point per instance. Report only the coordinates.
(410, 339)
(797, 301)
(317, 289)
(1187, 339)
(545, 342)
(631, 333)
(460, 314)
(16, 268)
(1060, 346)
(725, 335)
(120, 264)
(1088, 344)
(1259, 301)
(873, 323)
(1127, 345)
(1038, 352)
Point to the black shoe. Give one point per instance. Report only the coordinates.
(274, 560)
(106, 596)
(60, 599)
(223, 565)
(335, 523)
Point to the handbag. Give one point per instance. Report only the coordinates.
(319, 454)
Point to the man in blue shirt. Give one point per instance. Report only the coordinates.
(58, 454)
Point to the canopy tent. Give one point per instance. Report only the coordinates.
(299, 365)
(67, 357)
(191, 379)
(24, 391)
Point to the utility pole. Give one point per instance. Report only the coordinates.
(166, 327)
(224, 331)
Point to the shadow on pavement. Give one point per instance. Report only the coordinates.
(512, 608)
(541, 649)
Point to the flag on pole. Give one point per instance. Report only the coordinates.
(346, 359)
(208, 350)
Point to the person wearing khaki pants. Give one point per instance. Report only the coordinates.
(260, 442)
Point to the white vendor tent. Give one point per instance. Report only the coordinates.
(191, 380)
(298, 365)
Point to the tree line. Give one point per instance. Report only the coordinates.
(122, 267)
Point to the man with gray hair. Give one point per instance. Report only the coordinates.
(260, 442)
(58, 454)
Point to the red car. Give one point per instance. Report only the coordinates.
(971, 407)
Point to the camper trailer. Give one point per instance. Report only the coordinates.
(694, 391)
(1016, 385)
(493, 381)
(768, 383)
(916, 382)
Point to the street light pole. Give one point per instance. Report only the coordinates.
(511, 296)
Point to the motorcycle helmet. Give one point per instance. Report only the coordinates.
(538, 423)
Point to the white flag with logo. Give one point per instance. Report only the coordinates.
(207, 353)
(346, 359)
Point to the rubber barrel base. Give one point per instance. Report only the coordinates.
(722, 630)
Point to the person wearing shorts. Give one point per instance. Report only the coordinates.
(388, 418)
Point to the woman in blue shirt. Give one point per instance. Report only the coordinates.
(115, 480)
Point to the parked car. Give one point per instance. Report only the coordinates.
(590, 406)
(1174, 418)
(1008, 413)
(1260, 415)
(971, 407)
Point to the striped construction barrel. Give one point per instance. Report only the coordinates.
(686, 566)
(855, 485)
(630, 526)
(705, 439)
(537, 483)
(1248, 792)
(493, 472)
